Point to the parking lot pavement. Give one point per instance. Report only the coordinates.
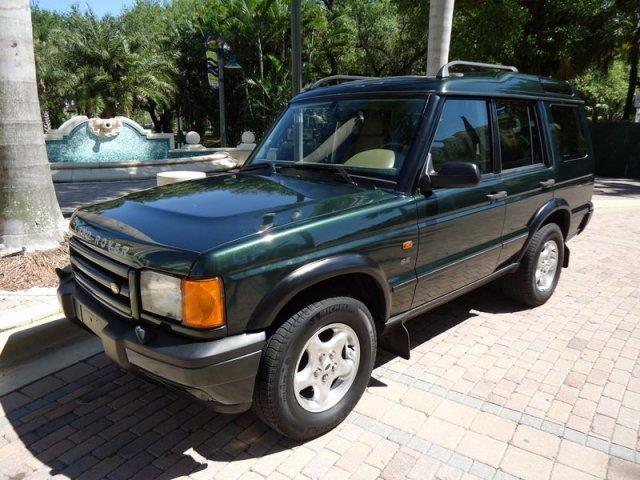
(492, 391)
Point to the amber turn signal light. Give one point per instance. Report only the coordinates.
(203, 303)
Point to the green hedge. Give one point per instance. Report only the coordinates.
(616, 147)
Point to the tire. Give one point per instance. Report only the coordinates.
(276, 401)
(522, 285)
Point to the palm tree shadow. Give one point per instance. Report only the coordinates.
(109, 422)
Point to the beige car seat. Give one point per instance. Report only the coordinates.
(333, 142)
(379, 158)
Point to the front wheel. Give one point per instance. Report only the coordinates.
(316, 367)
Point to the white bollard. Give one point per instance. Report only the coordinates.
(165, 178)
(192, 140)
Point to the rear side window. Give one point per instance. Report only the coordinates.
(566, 132)
(463, 135)
(520, 144)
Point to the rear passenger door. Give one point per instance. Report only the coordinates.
(526, 170)
(460, 228)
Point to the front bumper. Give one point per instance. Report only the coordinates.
(220, 371)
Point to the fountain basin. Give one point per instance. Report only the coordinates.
(94, 149)
(112, 171)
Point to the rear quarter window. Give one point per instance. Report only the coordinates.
(567, 132)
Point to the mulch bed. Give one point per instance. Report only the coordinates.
(21, 271)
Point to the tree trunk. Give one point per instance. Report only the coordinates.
(634, 57)
(260, 59)
(165, 120)
(331, 58)
(157, 126)
(29, 213)
(440, 19)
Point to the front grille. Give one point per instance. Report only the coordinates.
(96, 273)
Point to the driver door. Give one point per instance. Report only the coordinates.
(460, 229)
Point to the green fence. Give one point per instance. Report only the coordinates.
(616, 147)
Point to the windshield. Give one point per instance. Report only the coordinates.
(371, 137)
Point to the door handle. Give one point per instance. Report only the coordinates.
(547, 183)
(497, 195)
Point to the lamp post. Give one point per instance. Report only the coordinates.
(215, 68)
(232, 65)
(296, 48)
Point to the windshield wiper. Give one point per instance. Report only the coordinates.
(259, 166)
(333, 168)
(274, 166)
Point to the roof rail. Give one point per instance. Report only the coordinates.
(338, 78)
(444, 71)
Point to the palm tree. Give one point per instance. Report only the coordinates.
(258, 31)
(440, 18)
(254, 24)
(29, 213)
(54, 79)
(116, 71)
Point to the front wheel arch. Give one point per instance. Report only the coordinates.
(350, 274)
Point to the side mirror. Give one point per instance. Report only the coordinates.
(455, 175)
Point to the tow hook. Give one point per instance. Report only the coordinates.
(141, 334)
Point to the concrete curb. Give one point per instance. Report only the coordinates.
(12, 342)
(26, 307)
(38, 349)
(114, 171)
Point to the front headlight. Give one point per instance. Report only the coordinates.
(196, 303)
(161, 294)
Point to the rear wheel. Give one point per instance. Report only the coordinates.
(535, 280)
(315, 367)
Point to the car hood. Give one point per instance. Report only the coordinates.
(201, 215)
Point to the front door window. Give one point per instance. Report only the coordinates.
(463, 135)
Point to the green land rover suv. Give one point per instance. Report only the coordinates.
(369, 202)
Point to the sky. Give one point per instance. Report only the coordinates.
(100, 7)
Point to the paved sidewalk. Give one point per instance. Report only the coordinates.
(492, 391)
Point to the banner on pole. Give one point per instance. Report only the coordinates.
(212, 63)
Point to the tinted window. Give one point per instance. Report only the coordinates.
(519, 134)
(369, 136)
(463, 135)
(566, 132)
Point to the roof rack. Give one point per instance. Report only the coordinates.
(338, 78)
(444, 71)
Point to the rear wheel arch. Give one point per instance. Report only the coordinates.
(555, 211)
(348, 275)
(560, 217)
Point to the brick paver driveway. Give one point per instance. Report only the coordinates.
(491, 391)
